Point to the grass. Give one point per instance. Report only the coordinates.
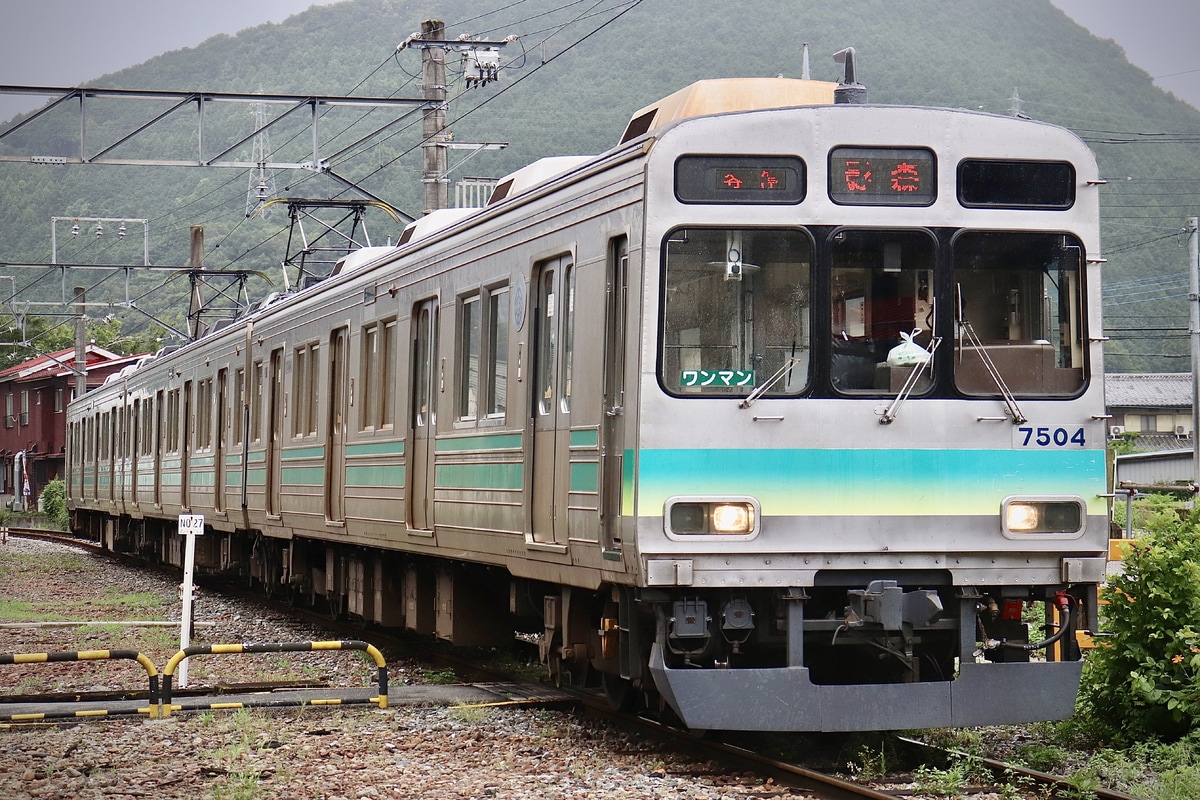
(442, 677)
(470, 714)
(140, 605)
(22, 611)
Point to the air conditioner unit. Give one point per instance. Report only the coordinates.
(1115, 430)
(1181, 431)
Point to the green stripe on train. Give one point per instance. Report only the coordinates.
(301, 453)
(585, 438)
(480, 476)
(585, 477)
(487, 441)
(304, 476)
(395, 448)
(375, 476)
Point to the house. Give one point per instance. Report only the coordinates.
(1157, 406)
(1152, 414)
(33, 434)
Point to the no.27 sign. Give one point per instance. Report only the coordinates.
(191, 524)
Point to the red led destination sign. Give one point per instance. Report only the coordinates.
(874, 176)
(739, 179)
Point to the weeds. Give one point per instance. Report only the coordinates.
(470, 714)
(942, 782)
(440, 677)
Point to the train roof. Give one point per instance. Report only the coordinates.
(723, 95)
(539, 172)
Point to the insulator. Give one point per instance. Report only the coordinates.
(99, 230)
(75, 229)
(121, 231)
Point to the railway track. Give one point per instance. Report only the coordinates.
(734, 757)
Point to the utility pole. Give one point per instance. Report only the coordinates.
(433, 79)
(480, 66)
(80, 342)
(196, 305)
(1194, 297)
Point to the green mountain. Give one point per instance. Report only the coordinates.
(569, 83)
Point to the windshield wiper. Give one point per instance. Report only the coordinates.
(774, 379)
(1011, 402)
(889, 413)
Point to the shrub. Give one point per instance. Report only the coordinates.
(1143, 681)
(54, 503)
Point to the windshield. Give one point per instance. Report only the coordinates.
(1020, 293)
(736, 311)
(882, 309)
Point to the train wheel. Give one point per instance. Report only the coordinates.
(620, 692)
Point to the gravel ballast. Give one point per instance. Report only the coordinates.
(308, 752)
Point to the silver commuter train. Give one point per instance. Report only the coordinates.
(784, 411)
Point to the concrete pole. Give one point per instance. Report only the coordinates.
(80, 342)
(433, 78)
(196, 304)
(1194, 297)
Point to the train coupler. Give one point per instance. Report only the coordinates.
(885, 603)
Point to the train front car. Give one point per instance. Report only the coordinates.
(870, 438)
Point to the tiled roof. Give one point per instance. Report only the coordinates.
(1148, 390)
(1160, 442)
(61, 363)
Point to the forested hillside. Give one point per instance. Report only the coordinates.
(569, 84)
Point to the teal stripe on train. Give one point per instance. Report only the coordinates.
(487, 476)
(870, 482)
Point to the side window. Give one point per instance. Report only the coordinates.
(483, 354)
(173, 421)
(256, 398)
(204, 409)
(305, 375)
(239, 404)
(568, 335)
(497, 351)
(470, 336)
(377, 376)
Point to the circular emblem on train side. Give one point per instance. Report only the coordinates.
(519, 290)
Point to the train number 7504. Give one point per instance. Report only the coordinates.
(1050, 436)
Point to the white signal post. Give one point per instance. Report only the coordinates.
(190, 526)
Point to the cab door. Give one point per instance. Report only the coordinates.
(612, 430)
(553, 363)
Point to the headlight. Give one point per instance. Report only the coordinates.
(732, 518)
(693, 516)
(1043, 516)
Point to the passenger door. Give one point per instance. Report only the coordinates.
(422, 434)
(219, 449)
(274, 431)
(185, 449)
(335, 446)
(553, 352)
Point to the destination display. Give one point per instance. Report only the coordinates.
(882, 176)
(739, 179)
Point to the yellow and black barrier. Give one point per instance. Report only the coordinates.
(85, 655)
(166, 707)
